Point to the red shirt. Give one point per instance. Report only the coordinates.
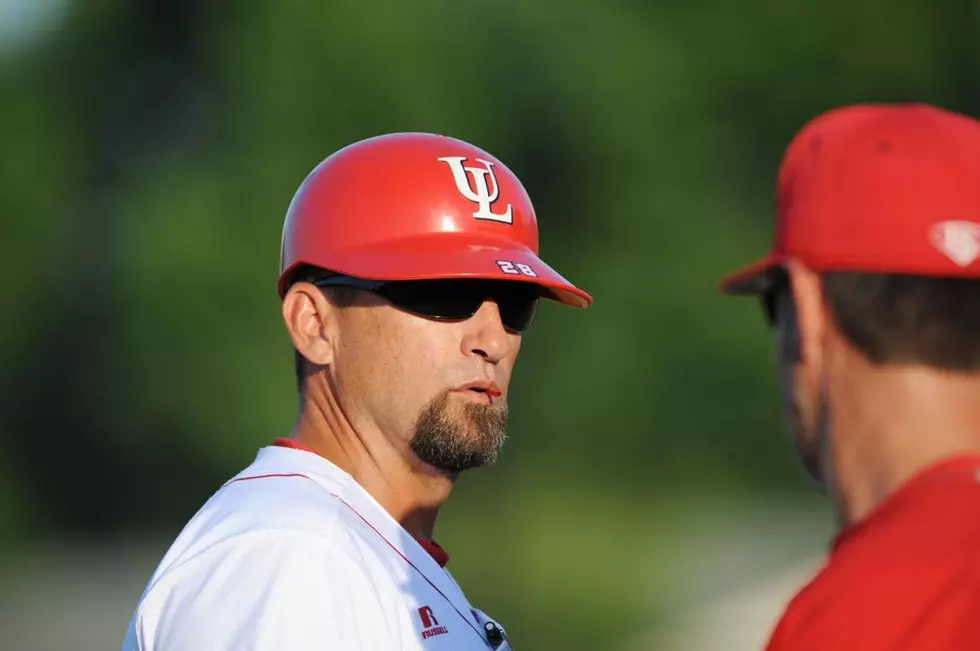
(906, 578)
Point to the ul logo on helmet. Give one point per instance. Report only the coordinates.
(479, 191)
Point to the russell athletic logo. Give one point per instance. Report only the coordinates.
(479, 189)
(430, 624)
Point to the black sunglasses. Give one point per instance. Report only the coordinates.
(451, 299)
(778, 284)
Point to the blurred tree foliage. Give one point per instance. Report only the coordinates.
(150, 151)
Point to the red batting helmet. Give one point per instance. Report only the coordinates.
(411, 206)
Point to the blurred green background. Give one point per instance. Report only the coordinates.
(648, 498)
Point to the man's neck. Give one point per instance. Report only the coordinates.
(409, 490)
(889, 424)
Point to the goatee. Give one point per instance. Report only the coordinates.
(453, 438)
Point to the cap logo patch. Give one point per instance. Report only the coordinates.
(479, 189)
(958, 240)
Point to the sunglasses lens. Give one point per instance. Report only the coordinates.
(454, 300)
(768, 301)
(517, 308)
(432, 299)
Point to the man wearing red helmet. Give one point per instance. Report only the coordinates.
(409, 272)
(872, 289)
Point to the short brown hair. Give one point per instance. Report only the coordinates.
(908, 319)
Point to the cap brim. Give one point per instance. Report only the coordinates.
(755, 279)
(452, 255)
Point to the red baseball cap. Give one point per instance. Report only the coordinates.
(887, 188)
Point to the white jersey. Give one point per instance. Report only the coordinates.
(292, 553)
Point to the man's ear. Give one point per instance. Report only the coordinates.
(310, 319)
(812, 314)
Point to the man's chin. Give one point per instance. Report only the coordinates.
(453, 465)
(455, 455)
(813, 472)
(808, 453)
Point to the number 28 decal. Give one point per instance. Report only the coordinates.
(516, 268)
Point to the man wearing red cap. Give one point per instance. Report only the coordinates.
(872, 290)
(409, 271)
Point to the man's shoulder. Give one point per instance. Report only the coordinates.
(284, 587)
(273, 504)
(290, 554)
(882, 605)
(255, 499)
(269, 542)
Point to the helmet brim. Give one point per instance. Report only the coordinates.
(449, 255)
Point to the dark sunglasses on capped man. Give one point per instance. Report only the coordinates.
(777, 284)
(451, 299)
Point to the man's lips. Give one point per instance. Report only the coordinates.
(482, 386)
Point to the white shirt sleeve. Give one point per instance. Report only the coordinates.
(266, 591)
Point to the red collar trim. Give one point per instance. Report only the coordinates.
(283, 442)
(438, 554)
